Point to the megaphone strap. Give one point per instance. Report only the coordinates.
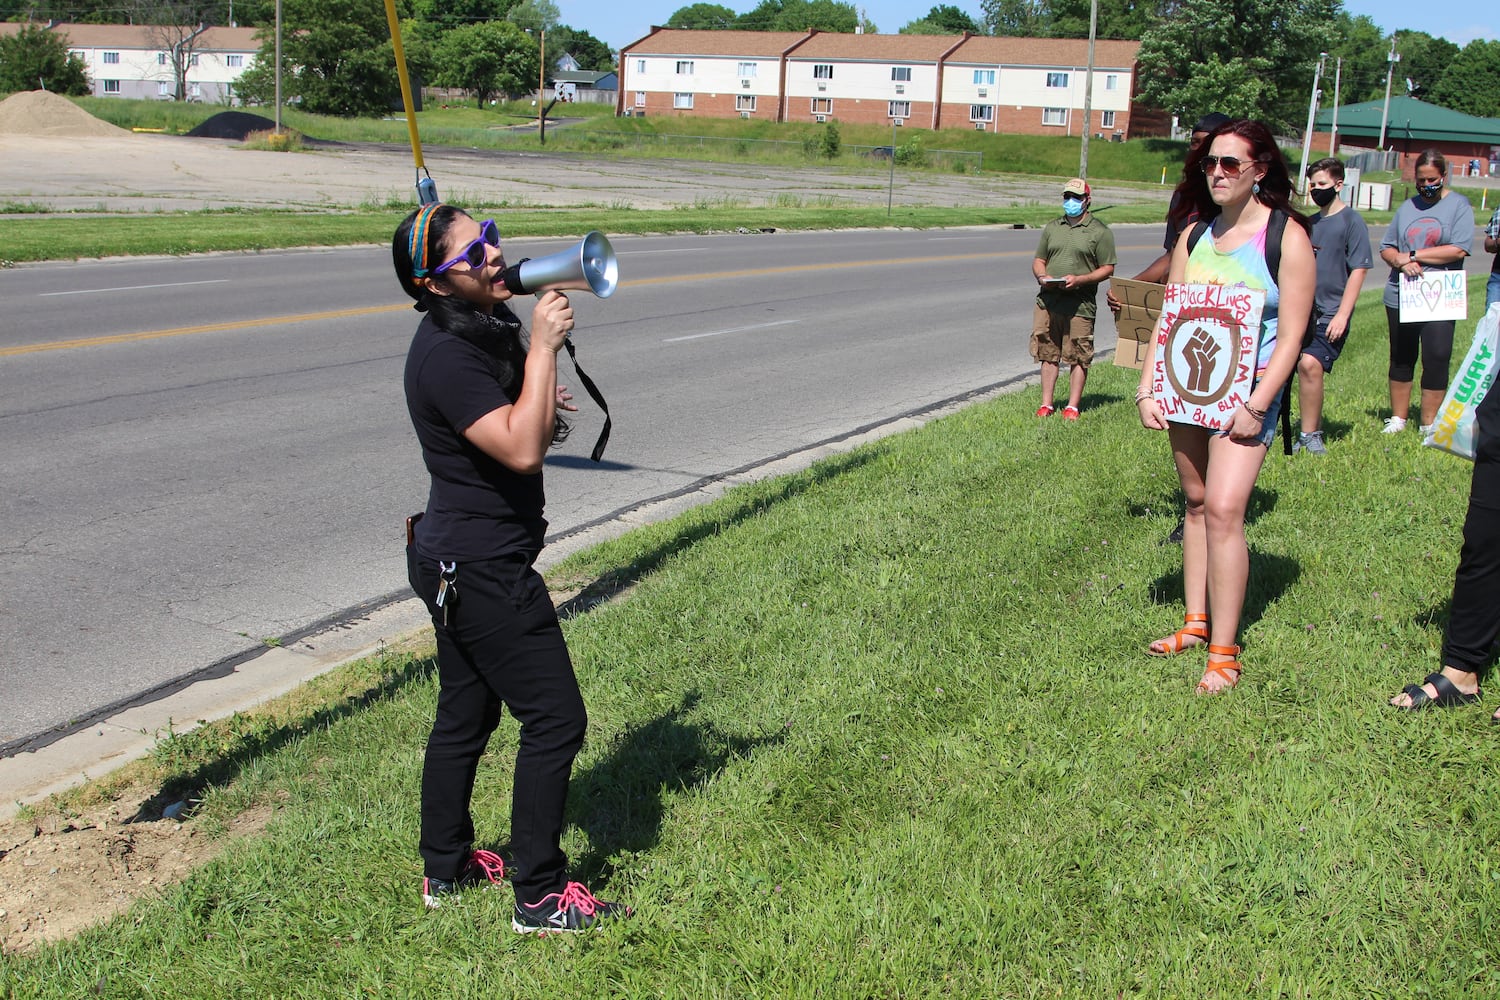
(418, 246)
(597, 397)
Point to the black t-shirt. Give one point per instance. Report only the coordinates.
(1174, 231)
(477, 508)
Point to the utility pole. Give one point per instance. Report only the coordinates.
(1333, 137)
(1088, 93)
(541, 86)
(1390, 65)
(1312, 108)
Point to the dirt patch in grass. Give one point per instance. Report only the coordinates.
(64, 873)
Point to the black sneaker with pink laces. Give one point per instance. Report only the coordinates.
(482, 868)
(570, 911)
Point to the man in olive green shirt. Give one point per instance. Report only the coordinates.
(1076, 254)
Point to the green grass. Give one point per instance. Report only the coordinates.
(886, 727)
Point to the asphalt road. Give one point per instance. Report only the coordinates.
(202, 454)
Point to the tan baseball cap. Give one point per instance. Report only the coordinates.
(1077, 186)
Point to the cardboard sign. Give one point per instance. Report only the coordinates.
(1434, 295)
(1206, 345)
(1140, 308)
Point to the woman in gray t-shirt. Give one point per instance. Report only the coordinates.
(1431, 231)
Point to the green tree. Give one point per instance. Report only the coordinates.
(534, 15)
(1362, 47)
(34, 58)
(1117, 18)
(445, 15)
(703, 17)
(944, 19)
(1472, 81)
(802, 15)
(591, 53)
(1017, 18)
(487, 59)
(1252, 58)
(1424, 60)
(336, 59)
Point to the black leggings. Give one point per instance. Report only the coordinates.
(501, 645)
(1434, 342)
(1474, 623)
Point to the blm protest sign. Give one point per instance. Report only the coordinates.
(1434, 295)
(1140, 308)
(1206, 344)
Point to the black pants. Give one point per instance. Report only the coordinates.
(1475, 620)
(1433, 341)
(502, 645)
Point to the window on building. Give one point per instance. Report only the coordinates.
(111, 86)
(900, 109)
(194, 61)
(981, 112)
(1054, 116)
(984, 78)
(822, 105)
(744, 102)
(161, 59)
(822, 71)
(684, 101)
(1057, 79)
(684, 67)
(1106, 119)
(901, 74)
(640, 98)
(747, 69)
(1111, 81)
(163, 89)
(234, 62)
(640, 65)
(195, 90)
(111, 59)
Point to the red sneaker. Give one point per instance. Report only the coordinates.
(1070, 413)
(1044, 411)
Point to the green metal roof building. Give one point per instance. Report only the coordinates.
(1412, 126)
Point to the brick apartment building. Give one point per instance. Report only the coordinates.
(1015, 85)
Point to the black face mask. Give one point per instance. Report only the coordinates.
(1430, 191)
(1323, 197)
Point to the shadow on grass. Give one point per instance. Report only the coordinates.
(614, 580)
(619, 801)
(1270, 577)
(222, 768)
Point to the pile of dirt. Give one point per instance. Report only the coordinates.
(232, 125)
(40, 112)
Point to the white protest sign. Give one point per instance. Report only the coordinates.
(1206, 344)
(1434, 295)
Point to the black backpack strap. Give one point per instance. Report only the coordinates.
(1199, 228)
(1275, 229)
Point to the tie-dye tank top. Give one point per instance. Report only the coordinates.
(1244, 266)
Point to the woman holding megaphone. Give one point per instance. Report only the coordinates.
(484, 400)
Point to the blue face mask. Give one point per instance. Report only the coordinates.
(1072, 207)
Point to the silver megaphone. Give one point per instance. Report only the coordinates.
(591, 264)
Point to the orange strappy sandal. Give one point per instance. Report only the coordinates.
(1194, 626)
(1224, 668)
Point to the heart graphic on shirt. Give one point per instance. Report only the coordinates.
(1432, 292)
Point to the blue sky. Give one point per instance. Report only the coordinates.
(618, 23)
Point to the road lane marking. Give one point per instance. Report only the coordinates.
(737, 329)
(132, 288)
(247, 324)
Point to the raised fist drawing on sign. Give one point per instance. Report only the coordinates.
(1200, 351)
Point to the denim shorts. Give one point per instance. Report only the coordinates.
(1268, 426)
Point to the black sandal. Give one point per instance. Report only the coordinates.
(1448, 695)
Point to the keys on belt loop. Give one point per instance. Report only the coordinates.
(447, 591)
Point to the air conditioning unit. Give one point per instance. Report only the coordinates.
(817, 118)
(745, 84)
(899, 121)
(900, 88)
(979, 126)
(984, 92)
(822, 85)
(744, 114)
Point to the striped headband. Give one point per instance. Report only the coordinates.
(418, 248)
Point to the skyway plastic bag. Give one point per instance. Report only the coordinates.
(1455, 429)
